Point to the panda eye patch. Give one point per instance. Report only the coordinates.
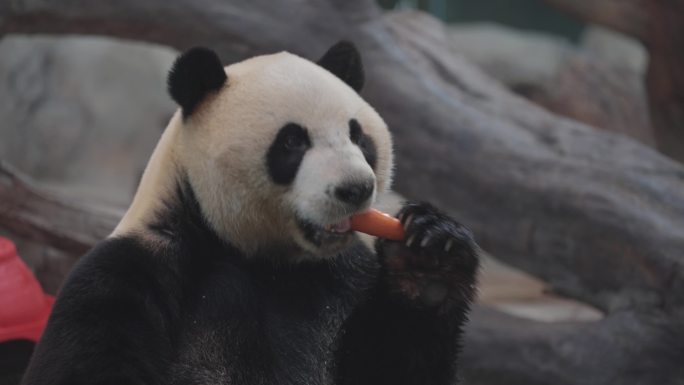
(355, 132)
(286, 153)
(364, 142)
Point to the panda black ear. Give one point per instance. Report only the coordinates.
(193, 75)
(344, 61)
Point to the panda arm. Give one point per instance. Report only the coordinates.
(110, 324)
(386, 342)
(409, 329)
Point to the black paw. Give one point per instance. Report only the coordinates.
(437, 262)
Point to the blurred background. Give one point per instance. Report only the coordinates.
(554, 128)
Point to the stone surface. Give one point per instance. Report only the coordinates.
(82, 113)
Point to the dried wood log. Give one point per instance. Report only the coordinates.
(665, 78)
(627, 348)
(31, 212)
(51, 233)
(599, 94)
(597, 215)
(660, 26)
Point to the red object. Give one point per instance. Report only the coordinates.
(376, 223)
(24, 307)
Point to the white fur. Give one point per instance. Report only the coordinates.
(222, 148)
(156, 184)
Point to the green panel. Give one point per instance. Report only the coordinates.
(524, 14)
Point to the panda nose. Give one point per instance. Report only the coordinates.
(354, 193)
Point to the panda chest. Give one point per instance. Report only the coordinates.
(256, 328)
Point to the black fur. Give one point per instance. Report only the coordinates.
(286, 153)
(14, 357)
(409, 330)
(364, 141)
(195, 311)
(344, 61)
(194, 74)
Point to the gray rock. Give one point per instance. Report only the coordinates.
(82, 113)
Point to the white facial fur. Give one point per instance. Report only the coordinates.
(222, 148)
(332, 161)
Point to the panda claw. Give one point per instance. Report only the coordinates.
(425, 241)
(410, 240)
(449, 244)
(408, 221)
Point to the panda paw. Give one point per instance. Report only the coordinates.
(435, 265)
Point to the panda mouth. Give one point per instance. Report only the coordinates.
(319, 235)
(340, 227)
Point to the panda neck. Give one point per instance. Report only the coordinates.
(158, 185)
(165, 206)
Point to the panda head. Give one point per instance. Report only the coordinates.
(280, 151)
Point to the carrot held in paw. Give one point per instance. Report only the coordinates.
(375, 222)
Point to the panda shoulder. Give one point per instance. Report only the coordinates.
(118, 267)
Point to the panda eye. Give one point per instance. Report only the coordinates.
(286, 153)
(294, 142)
(293, 138)
(364, 142)
(355, 132)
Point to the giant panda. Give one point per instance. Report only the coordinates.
(235, 263)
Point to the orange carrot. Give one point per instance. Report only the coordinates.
(375, 222)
